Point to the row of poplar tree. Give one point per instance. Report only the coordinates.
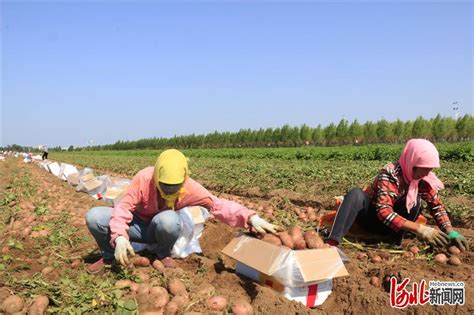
(438, 129)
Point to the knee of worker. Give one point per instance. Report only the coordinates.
(355, 196)
(92, 218)
(168, 222)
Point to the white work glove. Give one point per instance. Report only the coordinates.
(432, 235)
(263, 226)
(122, 245)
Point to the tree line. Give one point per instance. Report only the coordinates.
(438, 129)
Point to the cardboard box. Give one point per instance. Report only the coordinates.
(301, 275)
(54, 168)
(73, 179)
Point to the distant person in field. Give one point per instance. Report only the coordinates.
(45, 152)
(391, 204)
(147, 212)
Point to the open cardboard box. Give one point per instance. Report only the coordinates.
(301, 275)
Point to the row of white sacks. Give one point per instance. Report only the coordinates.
(101, 187)
(111, 189)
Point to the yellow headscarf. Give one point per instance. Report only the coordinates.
(171, 168)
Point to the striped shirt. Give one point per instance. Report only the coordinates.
(388, 186)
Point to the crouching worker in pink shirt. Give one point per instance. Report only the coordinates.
(147, 212)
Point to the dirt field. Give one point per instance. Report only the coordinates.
(37, 199)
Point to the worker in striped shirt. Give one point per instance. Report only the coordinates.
(391, 204)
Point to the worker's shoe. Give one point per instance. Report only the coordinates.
(99, 265)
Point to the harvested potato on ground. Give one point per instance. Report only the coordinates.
(134, 286)
(12, 304)
(171, 308)
(39, 305)
(158, 291)
(375, 281)
(242, 308)
(176, 287)
(286, 239)
(217, 303)
(140, 261)
(414, 250)
(47, 270)
(300, 244)
(143, 289)
(454, 250)
(182, 299)
(159, 300)
(313, 241)
(158, 265)
(440, 258)
(272, 239)
(455, 261)
(75, 264)
(361, 256)
(295, 233)
(376, 259)
(408, 255)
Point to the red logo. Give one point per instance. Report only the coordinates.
(400, 297)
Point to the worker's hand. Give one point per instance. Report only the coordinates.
(459, 240)
(432, 235)
(263, 226)
(122, 245)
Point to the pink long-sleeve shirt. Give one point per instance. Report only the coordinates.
(143, 200)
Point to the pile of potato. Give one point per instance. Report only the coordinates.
(294, 238)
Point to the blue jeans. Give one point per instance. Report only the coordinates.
(163, 230)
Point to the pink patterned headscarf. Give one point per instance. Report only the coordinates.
(419, 153)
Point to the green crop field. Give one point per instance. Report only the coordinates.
(310, 173)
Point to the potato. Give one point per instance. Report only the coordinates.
(25, 232)
(313, 240)
(455, 261)
(158, 291)
(384, 255)
(134, 286)
(376, 259)
(169, 262)
(361, 256)
(47, 270)
(454, 250)
(269, 210)
(5, 250)
(43, 233)
(242, 308)
(297, 211)
(171, 308)
(414, 250)
(12, 304)
(158, 265)
(75, 264)
(39, 305)
(182, 299)
(286, 239)
(140, 261)
(311, 212)
(300, 244)
(272, 239)
(217, 303)
(303, 217)
(143, 289)
(408, 255)
(176, 287)
(375, 281)
(440, 258)
(295, 233)
(159, 299)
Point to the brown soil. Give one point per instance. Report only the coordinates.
(352, 294)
